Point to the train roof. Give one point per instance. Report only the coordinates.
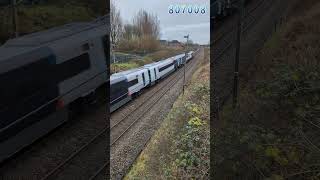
(115, 79)
(24, 44)
(54, 34)
(9, 61)
(165, 61)
(179, 55)
(151, 64)
(130, 71)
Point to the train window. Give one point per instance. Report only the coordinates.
(133, 82)
(73, 66)
(26, 88)
(165, 67)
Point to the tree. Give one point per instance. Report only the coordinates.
(148, 30)
(147, 24)
(115, 24)
(129, 31)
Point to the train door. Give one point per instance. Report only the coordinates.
(149, 76)
(155, 74)
(144, 80)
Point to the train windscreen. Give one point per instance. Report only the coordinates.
(118, 91)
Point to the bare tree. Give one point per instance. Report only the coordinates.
(147, 24)
(115, 24)
(148, 30)
(130, 31)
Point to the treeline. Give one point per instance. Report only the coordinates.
(139, 36)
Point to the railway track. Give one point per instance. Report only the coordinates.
(147, 106)
(76, 156)
(224, 58)
(38, 159)
(229, 26)
(151, 104)
(226, 36)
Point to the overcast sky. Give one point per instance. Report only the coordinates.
(173, 26)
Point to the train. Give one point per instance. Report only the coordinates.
(46, 77)
(126, 85)
(223, 8)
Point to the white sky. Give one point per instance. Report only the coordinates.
(173, 26)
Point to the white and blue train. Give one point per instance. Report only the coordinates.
(124, 86)
(45, 76)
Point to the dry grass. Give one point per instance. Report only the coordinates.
(139, 45)
(117, 67)
(164, 53)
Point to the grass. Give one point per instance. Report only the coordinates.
(40, 17)
(270, 135)
(117, 67)
(167, 155)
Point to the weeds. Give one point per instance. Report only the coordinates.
(274, 134)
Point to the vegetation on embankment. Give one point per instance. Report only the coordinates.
(274, 134)
(180, 147)
(37, 17)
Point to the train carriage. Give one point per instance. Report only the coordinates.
(44, 75)
(152, 72)
(165, 67)
(189, 56)
(180, 59)
(125, 84)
